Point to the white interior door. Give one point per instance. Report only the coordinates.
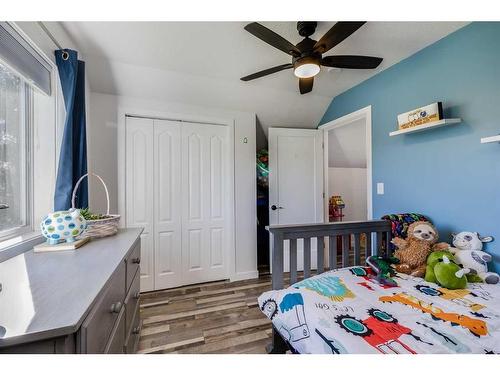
(296, 182)
(139, 191)
(167, 204)
(206, 200)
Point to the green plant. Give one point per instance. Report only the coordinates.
(88, 215)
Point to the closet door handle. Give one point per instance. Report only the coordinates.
(116, 307)
(136, 260)
(274, 207)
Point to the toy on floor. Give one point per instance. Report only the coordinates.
(412, 252)
(467, 249)
(439, 261)
(383, 269)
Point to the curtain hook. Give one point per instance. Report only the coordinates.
(65, 55)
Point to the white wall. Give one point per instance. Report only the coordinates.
(103, 159)
(350, 183)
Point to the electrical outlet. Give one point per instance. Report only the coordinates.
(380, 188)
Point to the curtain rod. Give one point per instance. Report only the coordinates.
(49, 34)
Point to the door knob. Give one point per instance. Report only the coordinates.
(274, 207)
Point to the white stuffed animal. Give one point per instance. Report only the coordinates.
(468, 252)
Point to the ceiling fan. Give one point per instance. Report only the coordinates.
(307, 55)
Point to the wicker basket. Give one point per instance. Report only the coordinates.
(102, 227)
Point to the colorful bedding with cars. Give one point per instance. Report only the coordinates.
(349, 311)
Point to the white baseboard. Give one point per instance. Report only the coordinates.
(246, 275)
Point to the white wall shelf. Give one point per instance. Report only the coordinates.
(430, 125)
(492, 139)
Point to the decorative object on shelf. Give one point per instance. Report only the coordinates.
(63, 246)
(63, 226)
(428, 126)
(421, 116)
(98, 225)
(492, 139)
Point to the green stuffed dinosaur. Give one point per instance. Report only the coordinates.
(442, 270)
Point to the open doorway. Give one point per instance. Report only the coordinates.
(347, 167)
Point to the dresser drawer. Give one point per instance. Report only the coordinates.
(132, 300)
(96, 328)
(116, 341)
(133, 260)
(132, 340)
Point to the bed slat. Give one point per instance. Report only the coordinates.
(345, 250)
(368, 249)
(293, 261)
(321, 254)
(307, 258)
(388, 236)
(378, 247)
(357, 241)
(332, 252)
(277, 271)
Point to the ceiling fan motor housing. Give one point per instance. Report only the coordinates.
(307, 55)
(306, 28)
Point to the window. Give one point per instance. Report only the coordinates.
(27, 118)
(15, 115)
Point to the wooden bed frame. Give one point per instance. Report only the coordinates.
(380, 230)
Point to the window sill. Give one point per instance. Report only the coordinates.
(18, 245)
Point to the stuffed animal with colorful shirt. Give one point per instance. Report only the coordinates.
(468, 252)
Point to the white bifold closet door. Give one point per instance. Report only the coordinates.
(178, 189)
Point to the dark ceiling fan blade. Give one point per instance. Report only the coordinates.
(339, 32)
(306, 85)
(266, 72)
(351, 61)
(270, 37)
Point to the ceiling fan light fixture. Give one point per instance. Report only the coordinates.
(306, 67)
(306, 70)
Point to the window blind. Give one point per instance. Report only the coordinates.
(16, 52)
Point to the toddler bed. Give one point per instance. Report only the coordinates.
(346, 311)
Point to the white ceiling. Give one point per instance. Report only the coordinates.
(347, 146)
(201, 62)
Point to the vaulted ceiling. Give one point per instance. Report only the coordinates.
(200, 63)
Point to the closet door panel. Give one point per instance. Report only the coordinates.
(167, 204)
(139, 189)
(205, 206)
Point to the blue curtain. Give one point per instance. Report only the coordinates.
(73, 157)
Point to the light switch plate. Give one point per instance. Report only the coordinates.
(380, 188)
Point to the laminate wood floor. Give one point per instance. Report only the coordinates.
(218, 317)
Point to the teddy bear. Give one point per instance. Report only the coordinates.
(412, 253)
(468, 252)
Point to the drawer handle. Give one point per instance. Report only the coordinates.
(137, 295)
(116, 307)
(136, 260)
(136, 330)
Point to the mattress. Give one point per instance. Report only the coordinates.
(347, 311)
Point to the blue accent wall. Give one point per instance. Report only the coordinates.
(444, 173)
